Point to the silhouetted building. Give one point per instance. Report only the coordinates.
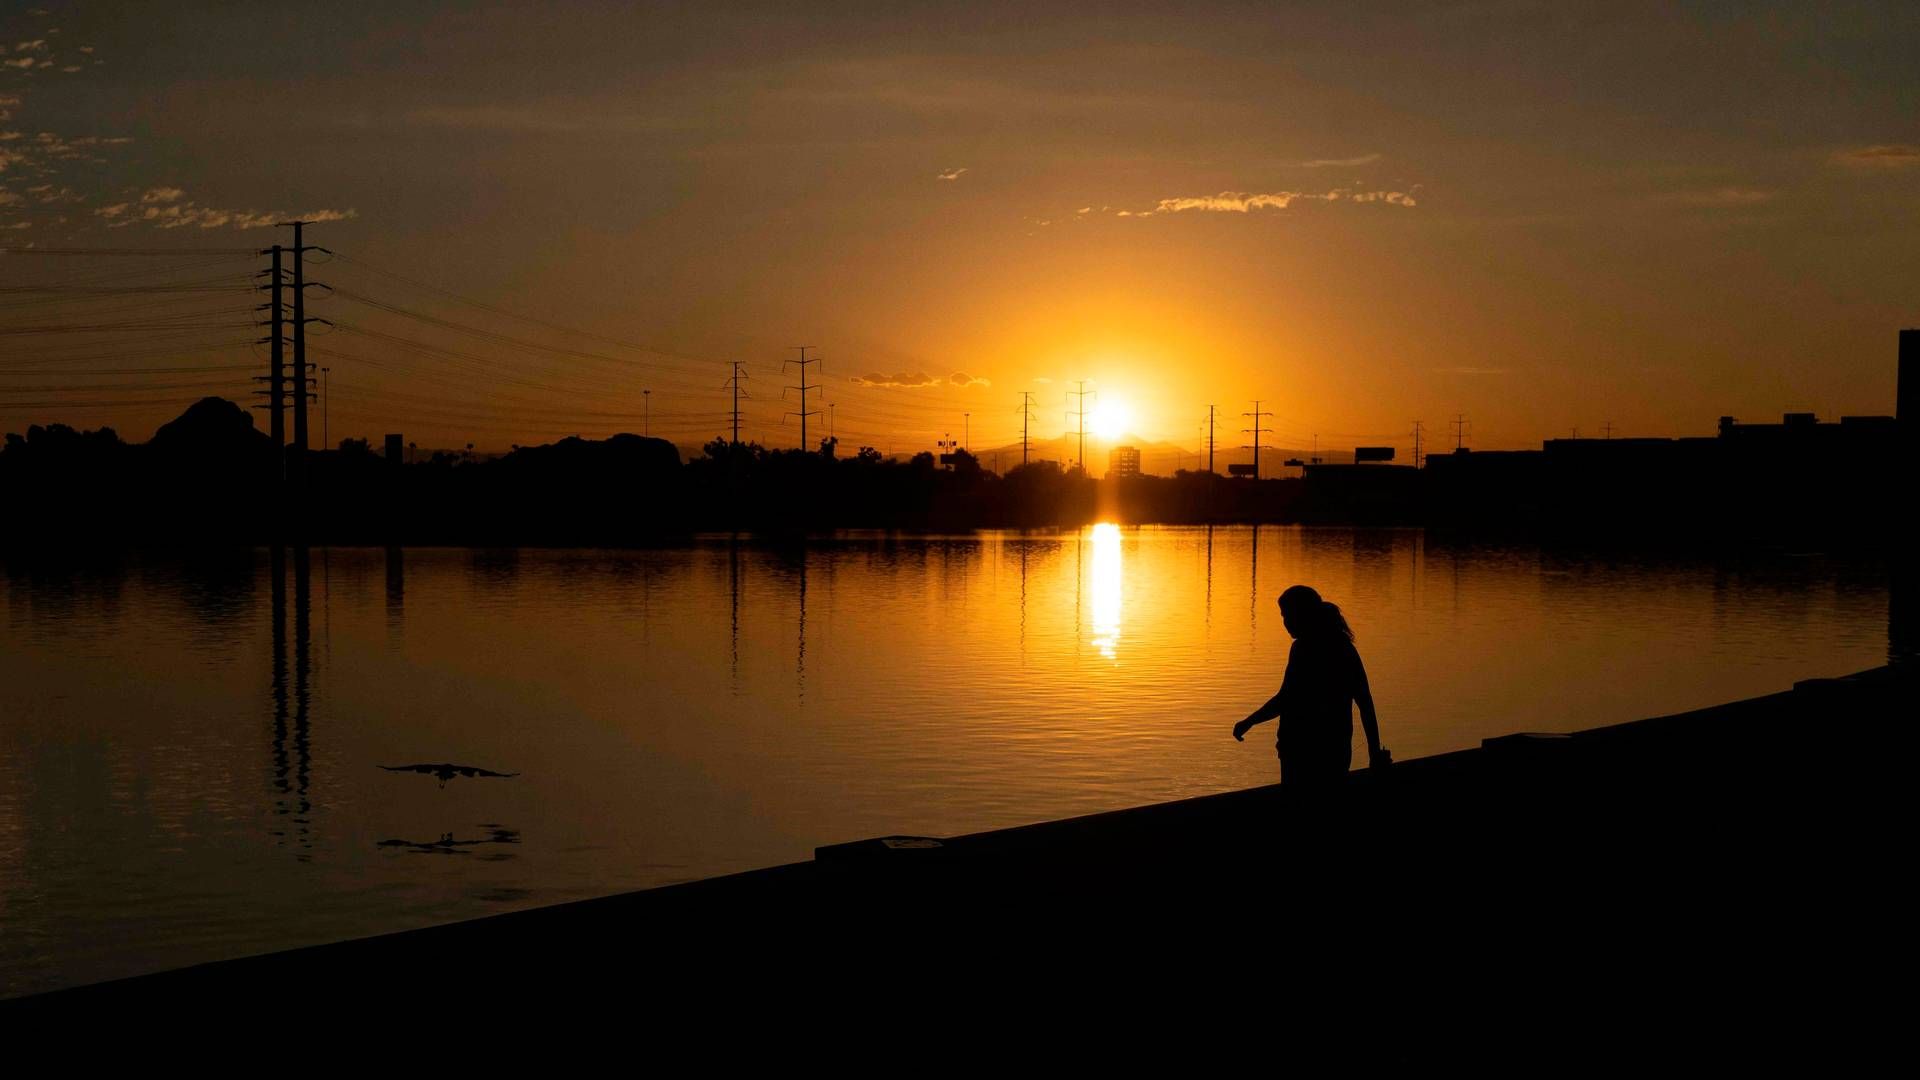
(1123, 463)
(394, 449)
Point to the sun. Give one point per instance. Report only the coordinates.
(1110, 419)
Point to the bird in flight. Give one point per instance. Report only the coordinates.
(446, 771)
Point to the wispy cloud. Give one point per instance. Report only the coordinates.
(951, 174)
(1881, 156)
(1338, 163)
(169, 208)
(901, 379)
(1241, 202)
(961, 378)
(1726, 197)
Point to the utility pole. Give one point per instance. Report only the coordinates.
(832, 432)
(966, 432)
(734, 382)
(1257, 413)
(1081, 415)
(1460, 422)
(803, 388)
(646, 415)
(1416, 443)
(1211, 410)
(1607, 428)
(276, 378)
(1026, 417)
(326, 428)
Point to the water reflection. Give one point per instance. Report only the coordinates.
(1107, 582)
(151, 778)
(292, 772)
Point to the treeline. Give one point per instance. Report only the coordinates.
(210, 474)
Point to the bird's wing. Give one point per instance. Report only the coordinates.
(410, 768)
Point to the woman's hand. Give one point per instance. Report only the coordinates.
(1240, 730)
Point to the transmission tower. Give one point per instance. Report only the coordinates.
(302, 381)
(1080, 415)
(1257, 413)
(276, 377)
(1026, 417)
(1418, 431)
(1460, 424)
(1211, 410)
(733, 383)
(804, 390)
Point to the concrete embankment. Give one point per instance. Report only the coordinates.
(1714, 877)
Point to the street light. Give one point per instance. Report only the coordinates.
(646, 401)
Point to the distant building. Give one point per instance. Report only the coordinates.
(1123, 463)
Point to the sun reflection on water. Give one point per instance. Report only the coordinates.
(1106, 588)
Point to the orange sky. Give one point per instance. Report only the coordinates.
(1542, 217)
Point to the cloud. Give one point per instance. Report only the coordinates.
(1338, 163)
(36, 45)
(169, 208)
(1240, 202)
(1880, 156)
(1720, 197)
(961, 378)
(903, 379)
(951, 174)
(20, 62)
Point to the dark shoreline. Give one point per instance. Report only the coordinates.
(1741, 849)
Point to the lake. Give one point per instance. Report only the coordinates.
(190, 745)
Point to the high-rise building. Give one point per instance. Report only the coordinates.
(1123, 462)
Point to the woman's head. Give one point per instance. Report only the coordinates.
(1306, 615)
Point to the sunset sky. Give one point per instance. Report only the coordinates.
(1544, 216)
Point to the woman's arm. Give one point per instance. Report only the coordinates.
(1260, 715)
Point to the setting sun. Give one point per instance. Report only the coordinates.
(1110, 419)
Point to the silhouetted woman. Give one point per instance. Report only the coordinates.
(1315, 703)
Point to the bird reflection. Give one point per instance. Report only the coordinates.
(447, 845)
(446, 771)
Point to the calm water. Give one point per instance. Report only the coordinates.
(170, 792)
